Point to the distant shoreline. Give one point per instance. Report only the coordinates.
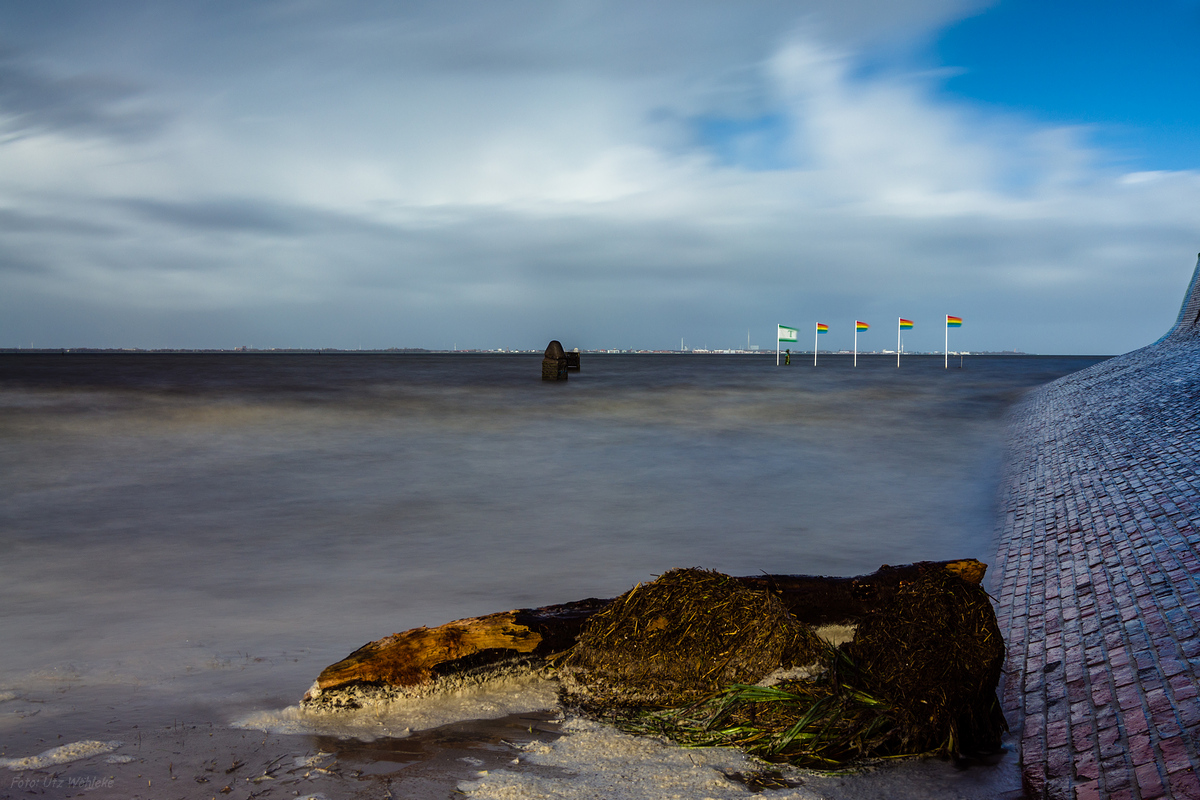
(423, 351)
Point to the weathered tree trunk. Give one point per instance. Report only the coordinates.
(818, 600)
(422, 655)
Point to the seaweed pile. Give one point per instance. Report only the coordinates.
(679, 639)
(686, 657)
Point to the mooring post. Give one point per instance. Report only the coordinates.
(554, 362)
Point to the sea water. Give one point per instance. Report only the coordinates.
(198, 535)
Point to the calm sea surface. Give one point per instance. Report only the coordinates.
(210, 531)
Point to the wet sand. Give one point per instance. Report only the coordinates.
(518, 756)
(202, 760)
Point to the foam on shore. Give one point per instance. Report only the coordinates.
(595, 760)
(397, 717)
(75, 751)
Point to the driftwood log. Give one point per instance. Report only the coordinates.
(421, 656)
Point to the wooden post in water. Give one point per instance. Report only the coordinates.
(554, 362)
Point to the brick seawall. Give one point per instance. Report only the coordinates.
(1100, 575)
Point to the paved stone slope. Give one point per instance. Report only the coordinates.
(1100, 575)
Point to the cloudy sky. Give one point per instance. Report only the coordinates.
(611, 173)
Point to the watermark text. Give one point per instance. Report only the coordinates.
(84, 782)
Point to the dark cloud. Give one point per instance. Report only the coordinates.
(33, 101)
(17, 222)
(232, 215)
(14, 262)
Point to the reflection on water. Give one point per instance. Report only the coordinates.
(224, 526)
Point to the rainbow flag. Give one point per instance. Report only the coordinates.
(905, 324)
(822, 327)
(953, 322)
(859, 326)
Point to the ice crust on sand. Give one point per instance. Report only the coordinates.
(397, 717)
(595, 760)
(75, 751)
(311, 761)
(836, 634)
(7, 695)
(792, 674)
(833, 634)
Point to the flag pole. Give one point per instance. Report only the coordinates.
(816, 334)
(777, 345)
(946, 346)
(856, 343)
(897, 342)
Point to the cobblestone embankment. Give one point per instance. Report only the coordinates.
(1100, 575)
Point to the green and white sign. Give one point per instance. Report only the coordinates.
(787, 334)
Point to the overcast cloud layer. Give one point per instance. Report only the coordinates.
(612, 174)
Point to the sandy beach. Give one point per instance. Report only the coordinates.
(518, 756)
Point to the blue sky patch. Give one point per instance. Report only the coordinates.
(757, 144)
(1130, 71)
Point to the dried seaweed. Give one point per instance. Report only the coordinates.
(681, 638)
(919, 679)
(936, 653)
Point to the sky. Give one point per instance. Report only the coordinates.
(612, 174)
